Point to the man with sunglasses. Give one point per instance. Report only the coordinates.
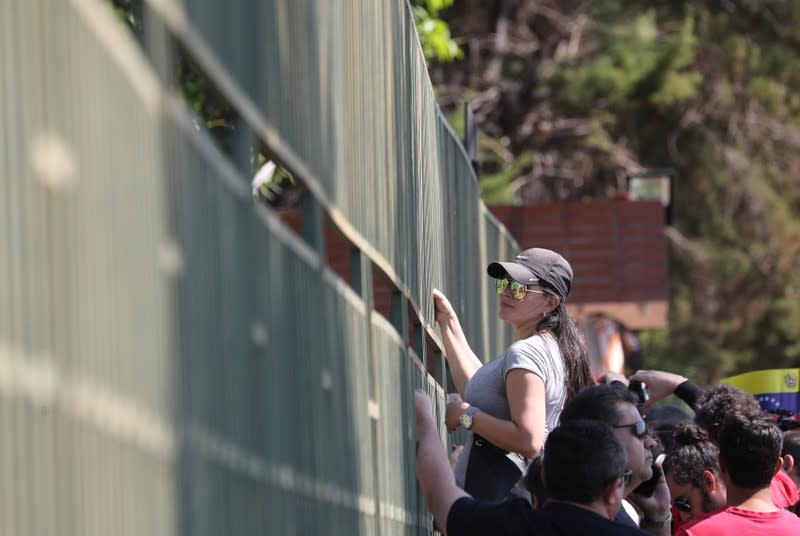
(616, 406)
(692, 470)
(749, 458)
(711, 408)
(584, 473)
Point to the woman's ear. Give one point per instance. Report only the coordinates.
(553, 302)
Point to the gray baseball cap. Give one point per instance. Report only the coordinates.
(537, 266)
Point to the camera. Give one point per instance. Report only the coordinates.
(640, 390)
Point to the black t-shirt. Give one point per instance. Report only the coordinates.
(623, 518)
(469, 516)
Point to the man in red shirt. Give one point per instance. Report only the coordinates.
(791, 466)
(749, 457)
(711, 407)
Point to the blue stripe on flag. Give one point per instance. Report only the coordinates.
(772, 401)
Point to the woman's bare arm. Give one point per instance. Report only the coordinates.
(461, 359)
(524, 433)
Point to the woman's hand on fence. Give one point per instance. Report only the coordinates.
(452, 417)
(461, 359)
(444, 310)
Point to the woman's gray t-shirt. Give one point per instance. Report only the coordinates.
(486, 390)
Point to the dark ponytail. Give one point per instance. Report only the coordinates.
(692, 453)
(573, 348)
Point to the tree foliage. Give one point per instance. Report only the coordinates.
(434, 33)
(583, 94)
(570, 97)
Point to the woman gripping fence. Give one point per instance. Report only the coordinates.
(511, 403)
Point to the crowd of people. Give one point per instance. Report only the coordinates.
(550, 451)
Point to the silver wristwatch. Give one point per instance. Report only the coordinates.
(466, 417)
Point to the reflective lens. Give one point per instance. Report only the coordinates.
(638, 428)
(518, 290)
(501, 285)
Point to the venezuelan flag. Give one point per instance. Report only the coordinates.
(774, 388)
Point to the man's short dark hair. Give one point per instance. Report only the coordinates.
(599, 403)
(719, 401)
(534, 482)
(791, 444)
(749, 447)
(691, 454)
(581, 458)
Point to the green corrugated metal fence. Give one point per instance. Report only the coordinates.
(173, 359)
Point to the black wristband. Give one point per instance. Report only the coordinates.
(689, 392)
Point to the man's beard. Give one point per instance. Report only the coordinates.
(709, 504)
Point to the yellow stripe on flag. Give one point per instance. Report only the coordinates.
(766, 381)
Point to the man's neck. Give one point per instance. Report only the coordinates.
(598, 507)
(754, 500)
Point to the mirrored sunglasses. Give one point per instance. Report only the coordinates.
(638, 428)
(518, 290)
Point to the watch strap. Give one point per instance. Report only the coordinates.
(658, 523)
(466, 420)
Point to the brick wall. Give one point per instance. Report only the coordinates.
(616, 248)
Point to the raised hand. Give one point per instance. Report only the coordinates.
(660, 384)
(444, 310)
(455, 408)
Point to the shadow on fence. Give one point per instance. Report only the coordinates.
(174, 357)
